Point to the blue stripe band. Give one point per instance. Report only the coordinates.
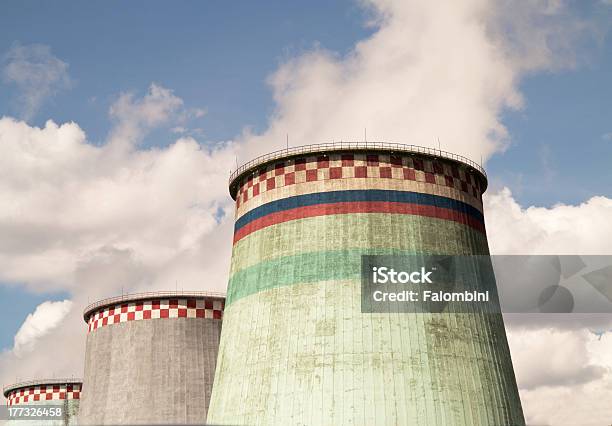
(357, 195)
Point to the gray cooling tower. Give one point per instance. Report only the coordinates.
(46, 393)
(150, 358)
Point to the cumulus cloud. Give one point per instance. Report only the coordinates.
(564, 376)
(563, 358)
(56, 353)
(142, 206)
(99, 220)
(434, 70)
(568, 406)
(133, 117)
(37, 73)
(561, 229)
(541, 34)
(45, 318)
(558, 361)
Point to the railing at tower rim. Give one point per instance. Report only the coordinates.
(148, 295)
(353, 146)
(29, 383)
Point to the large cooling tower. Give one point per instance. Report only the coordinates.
(46, 393)
(150, 358)
(295, 346)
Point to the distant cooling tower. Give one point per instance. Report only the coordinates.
(46, 393)
(150, 358)
(295, 346)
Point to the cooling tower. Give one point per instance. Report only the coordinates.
(46, 393)
(150, 358)
(295, 346)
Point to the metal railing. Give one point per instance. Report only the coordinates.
(148, 295)
(355, 146)
(25, 384)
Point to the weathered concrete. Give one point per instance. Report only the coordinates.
(153, 371)
(296, 348)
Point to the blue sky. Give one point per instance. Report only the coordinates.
(561, 148)
(218, 56)
(212, 56)
(15, 304)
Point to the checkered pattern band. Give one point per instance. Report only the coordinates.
(342, 166)
(44, 393)
(154, 309)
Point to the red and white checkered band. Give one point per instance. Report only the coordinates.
(154, 309)
(35, 393)
(343, 166)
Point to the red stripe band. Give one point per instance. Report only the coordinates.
(358, 207)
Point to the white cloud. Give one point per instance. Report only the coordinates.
(197, 112)
(139, 218)
(430, 70)
(37, 73)
(192, 131)
(45, 318)
(178, 129)
(553, 358)
(63, 345)
(100, 220)
(562, 375)
(561, 229)
(134, 117)
(147, 206)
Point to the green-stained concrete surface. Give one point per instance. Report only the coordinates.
(358, 232)
(296, 349)
(305, 354)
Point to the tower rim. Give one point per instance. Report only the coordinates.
(335, 147)
(38, 382)
(132, 297)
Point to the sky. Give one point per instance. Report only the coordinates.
(120, 123)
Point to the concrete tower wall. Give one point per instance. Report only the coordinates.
(295, 347)
(44, 393)
(150, 360)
